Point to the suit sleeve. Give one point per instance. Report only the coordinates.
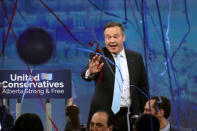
(143, 84)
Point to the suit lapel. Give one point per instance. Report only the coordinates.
(130, 64)
(110, 57)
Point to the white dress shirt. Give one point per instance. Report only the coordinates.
(125, 96)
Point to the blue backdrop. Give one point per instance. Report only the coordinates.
(164, 32)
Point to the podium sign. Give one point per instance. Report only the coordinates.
(50, 83)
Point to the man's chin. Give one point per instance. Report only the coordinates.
(113, 51)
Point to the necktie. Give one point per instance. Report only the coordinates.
(117, 87)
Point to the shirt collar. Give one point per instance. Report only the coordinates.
(122, 54)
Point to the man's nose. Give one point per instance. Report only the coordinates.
(112, 40)
(95, 128)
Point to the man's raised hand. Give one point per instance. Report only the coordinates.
(94, 65)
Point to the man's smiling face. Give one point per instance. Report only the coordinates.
(114, 39)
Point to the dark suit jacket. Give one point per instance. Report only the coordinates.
(104, 82)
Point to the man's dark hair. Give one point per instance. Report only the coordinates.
(147, 122)
(113, 24)
(162, 102)
(109, 116)
(28, 122)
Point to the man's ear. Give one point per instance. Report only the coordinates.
(124, 37)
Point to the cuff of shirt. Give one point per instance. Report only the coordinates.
(88, 76)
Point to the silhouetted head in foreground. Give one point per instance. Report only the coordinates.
(146, 122)
(28, 122)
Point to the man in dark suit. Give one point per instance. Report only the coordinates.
(160, 107)
(134, 88)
